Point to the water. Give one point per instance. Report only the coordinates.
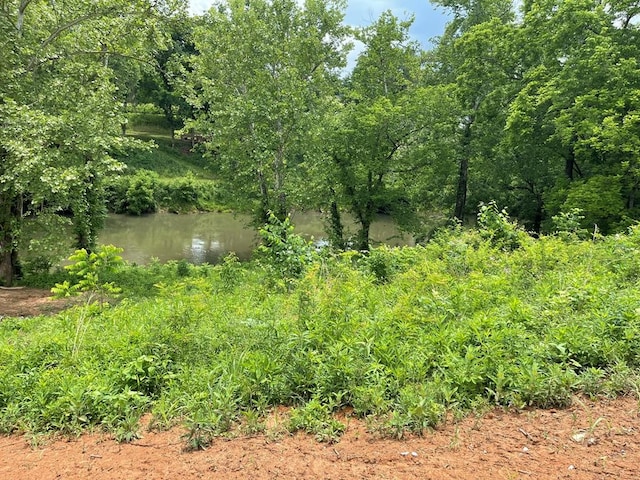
(208, 237)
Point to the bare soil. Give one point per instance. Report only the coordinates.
(590, 440)
(26, 302)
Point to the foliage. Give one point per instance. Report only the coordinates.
(60, 120)
(539, 112)
(496, 227)
(284, 253)
(146, 192)
(386, 132)
(315, 418)
(458, 324)
(568, 224)
(90, 270)
(43, 246)
(259, 109)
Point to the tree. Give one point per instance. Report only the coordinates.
(376, 133)
(471, 57)
(578, 110)
(162, 85)
(260, 84)
(58, 117)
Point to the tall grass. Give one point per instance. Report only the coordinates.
(401, 335)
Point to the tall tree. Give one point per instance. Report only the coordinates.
(58, 117)
(469, 55)
(579, 105)
(375, 135)
(260, 84)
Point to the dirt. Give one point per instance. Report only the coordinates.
(590, 440)
(25, 302)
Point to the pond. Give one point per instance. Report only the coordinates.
(208, 237)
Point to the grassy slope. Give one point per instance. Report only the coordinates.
(167, 161)
(168, 177)
(401, 336)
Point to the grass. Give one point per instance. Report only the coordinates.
(170, 159)
(169, 177)
(458, 325)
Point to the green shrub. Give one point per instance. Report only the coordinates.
(145, 192)
(315, 417)
(569, 224)
(283, 253)
(89, 270)
(496, 227)
(454, 326)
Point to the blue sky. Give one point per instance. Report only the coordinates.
(429, 20)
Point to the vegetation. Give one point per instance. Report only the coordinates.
(470, 320)
(536, 110)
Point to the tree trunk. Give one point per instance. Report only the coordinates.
(123, 125)
(278, 187)
(631, 199)
(336, 229)
(10, 216)
(461, 193)
(539, 215)
(263, 214)
(365, 217)
(88, 213)
(463, 173)
(363, 235)
(569, 165)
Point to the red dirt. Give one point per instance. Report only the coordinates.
(536, 444)
(25, 302)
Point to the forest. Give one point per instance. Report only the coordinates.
(534, 106)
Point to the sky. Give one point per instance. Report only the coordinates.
(429, 20)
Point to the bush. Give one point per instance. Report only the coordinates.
(285, 254)
(450, 327)
(496, 227)
(145, 192)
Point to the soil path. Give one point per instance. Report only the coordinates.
(587, 441)
(25, 302)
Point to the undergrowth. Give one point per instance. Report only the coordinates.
(400, 336)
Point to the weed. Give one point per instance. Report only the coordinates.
(497, 228)
(252, 423)
(315, 417)
(403, 336)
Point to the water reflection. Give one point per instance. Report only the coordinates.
(207, 237)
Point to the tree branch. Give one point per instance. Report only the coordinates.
(21, 9)
(107, 52)
(62, 28)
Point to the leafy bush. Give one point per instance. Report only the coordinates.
(496, 227)
(139, 196)
(48, 243)
(285, 254)
(314, 417)
(600, 199)
(89, 269)
(454, 325)
(145, 192)
(569, 224)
